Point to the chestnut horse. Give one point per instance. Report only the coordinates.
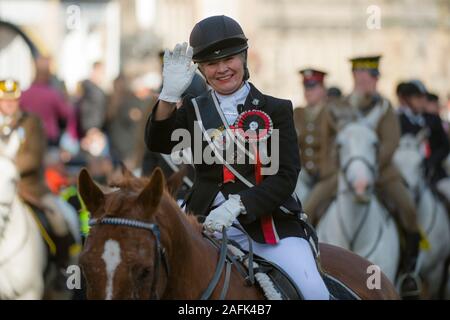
(143, 246)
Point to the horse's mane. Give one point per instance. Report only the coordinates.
(192, 219)
(129, 182)
(137, 184)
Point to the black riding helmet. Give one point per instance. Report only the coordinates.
(218, 37)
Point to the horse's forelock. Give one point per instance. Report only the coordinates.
(356, 129)
(127, 191)
(129, 183)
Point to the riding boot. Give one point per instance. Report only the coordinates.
(409, 281)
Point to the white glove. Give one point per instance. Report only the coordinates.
(177, 72)
(225, 214)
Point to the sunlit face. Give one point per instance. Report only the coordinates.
(314, 94)
(364, 82)
(8, 107)
(224, 75)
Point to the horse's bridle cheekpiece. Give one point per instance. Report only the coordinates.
(160, 252)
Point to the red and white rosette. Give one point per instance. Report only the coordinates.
(253, 126)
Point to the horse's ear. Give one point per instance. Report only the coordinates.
(151, 195)
(91, 194)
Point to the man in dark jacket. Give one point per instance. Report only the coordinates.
(413, 119)
(92, 104)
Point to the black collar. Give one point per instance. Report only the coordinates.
(255, 99)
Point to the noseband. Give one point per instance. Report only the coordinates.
(160, 252)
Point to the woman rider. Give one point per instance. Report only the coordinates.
(237, 193)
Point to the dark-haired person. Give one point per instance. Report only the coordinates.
(414, 117)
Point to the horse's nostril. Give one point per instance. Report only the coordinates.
(360, 186)
(145, 273)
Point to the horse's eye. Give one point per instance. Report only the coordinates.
(145, 272)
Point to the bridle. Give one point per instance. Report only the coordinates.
(160, 252)
(161, 255)
(372, 168)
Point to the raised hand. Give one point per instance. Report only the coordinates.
(178, 72)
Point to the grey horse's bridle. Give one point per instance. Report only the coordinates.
(372, 168)
(160, 252)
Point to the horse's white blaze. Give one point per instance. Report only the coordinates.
(111, 256)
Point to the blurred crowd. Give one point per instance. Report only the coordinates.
(92, 128)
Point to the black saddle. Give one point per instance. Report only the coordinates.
(284, 284)
(290, 291)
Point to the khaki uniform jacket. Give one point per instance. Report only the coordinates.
(308, 123)
(388, 132)
(30, 158)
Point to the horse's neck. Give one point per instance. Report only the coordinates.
(192, 262)
(15, 229)
(423, 196)
(358, 218)
(427, 203)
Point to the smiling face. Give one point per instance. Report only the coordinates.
(224, 75)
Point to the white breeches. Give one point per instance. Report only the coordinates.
(294, 256)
